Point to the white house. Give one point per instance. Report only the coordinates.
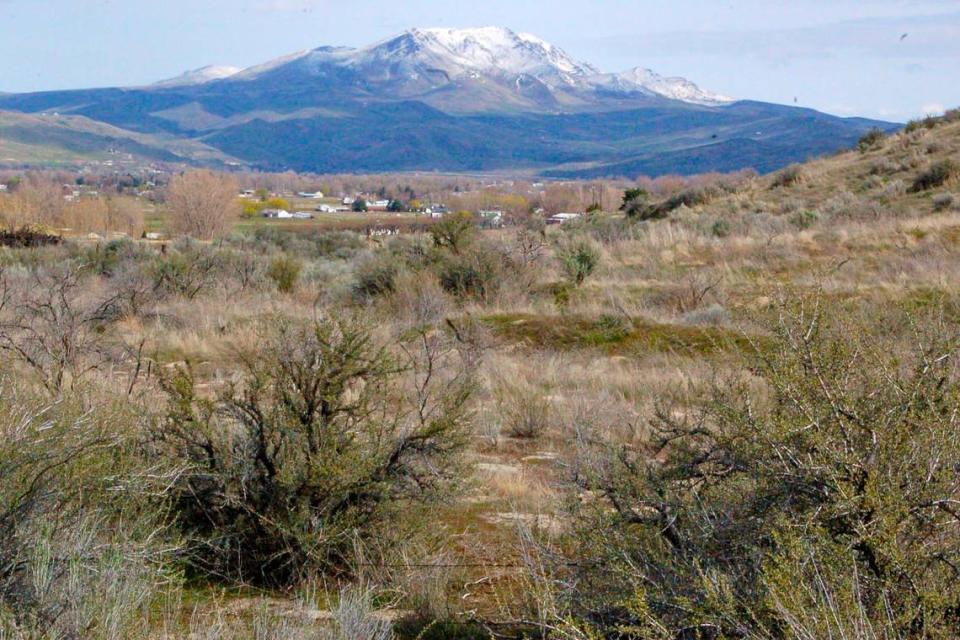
(560, 218)
(436, 210)
(302, 215)
(491, 218)
(348, 201)
(316, 195)
(3, 187)
(328, 208)
(276, 213)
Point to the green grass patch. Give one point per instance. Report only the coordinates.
(417, 629)
(613, 334)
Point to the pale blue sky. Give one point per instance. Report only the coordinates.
(841, 56)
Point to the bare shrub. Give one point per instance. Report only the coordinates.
(791, 205)
(50, 325)
(530, 241)
(418, 300)
(86, 215)
(883, 167)
(834, 444)
(893, 189)
(714, 315)
(202, 204)
(247, 269)
(125, 215)
(320, 436)
(187, 270)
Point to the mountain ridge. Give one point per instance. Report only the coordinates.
(425, 58)
(458, 100)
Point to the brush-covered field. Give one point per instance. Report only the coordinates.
(727, 413)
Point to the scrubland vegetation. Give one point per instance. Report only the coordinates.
(729, 410)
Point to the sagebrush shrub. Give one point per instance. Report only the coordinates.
(812, 490)
(285, 271)
(943, 201)
(82, 537)
(871, 140)
(375, 277)
(937, 175)
(579, 258)
(790, 176)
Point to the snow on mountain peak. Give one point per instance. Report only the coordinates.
(673, 88)
(200, 76)
(424, 59)
(484, 50)
(500, 48)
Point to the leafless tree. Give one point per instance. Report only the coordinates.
(202, 204)
(37, 200)
(47, 325)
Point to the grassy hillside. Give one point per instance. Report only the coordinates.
(54, 139)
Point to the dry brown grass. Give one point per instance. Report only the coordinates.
(660, 315)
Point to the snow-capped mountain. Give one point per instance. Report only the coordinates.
(199, 76)
(486, 51)
(485, 99)
(474, 70)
